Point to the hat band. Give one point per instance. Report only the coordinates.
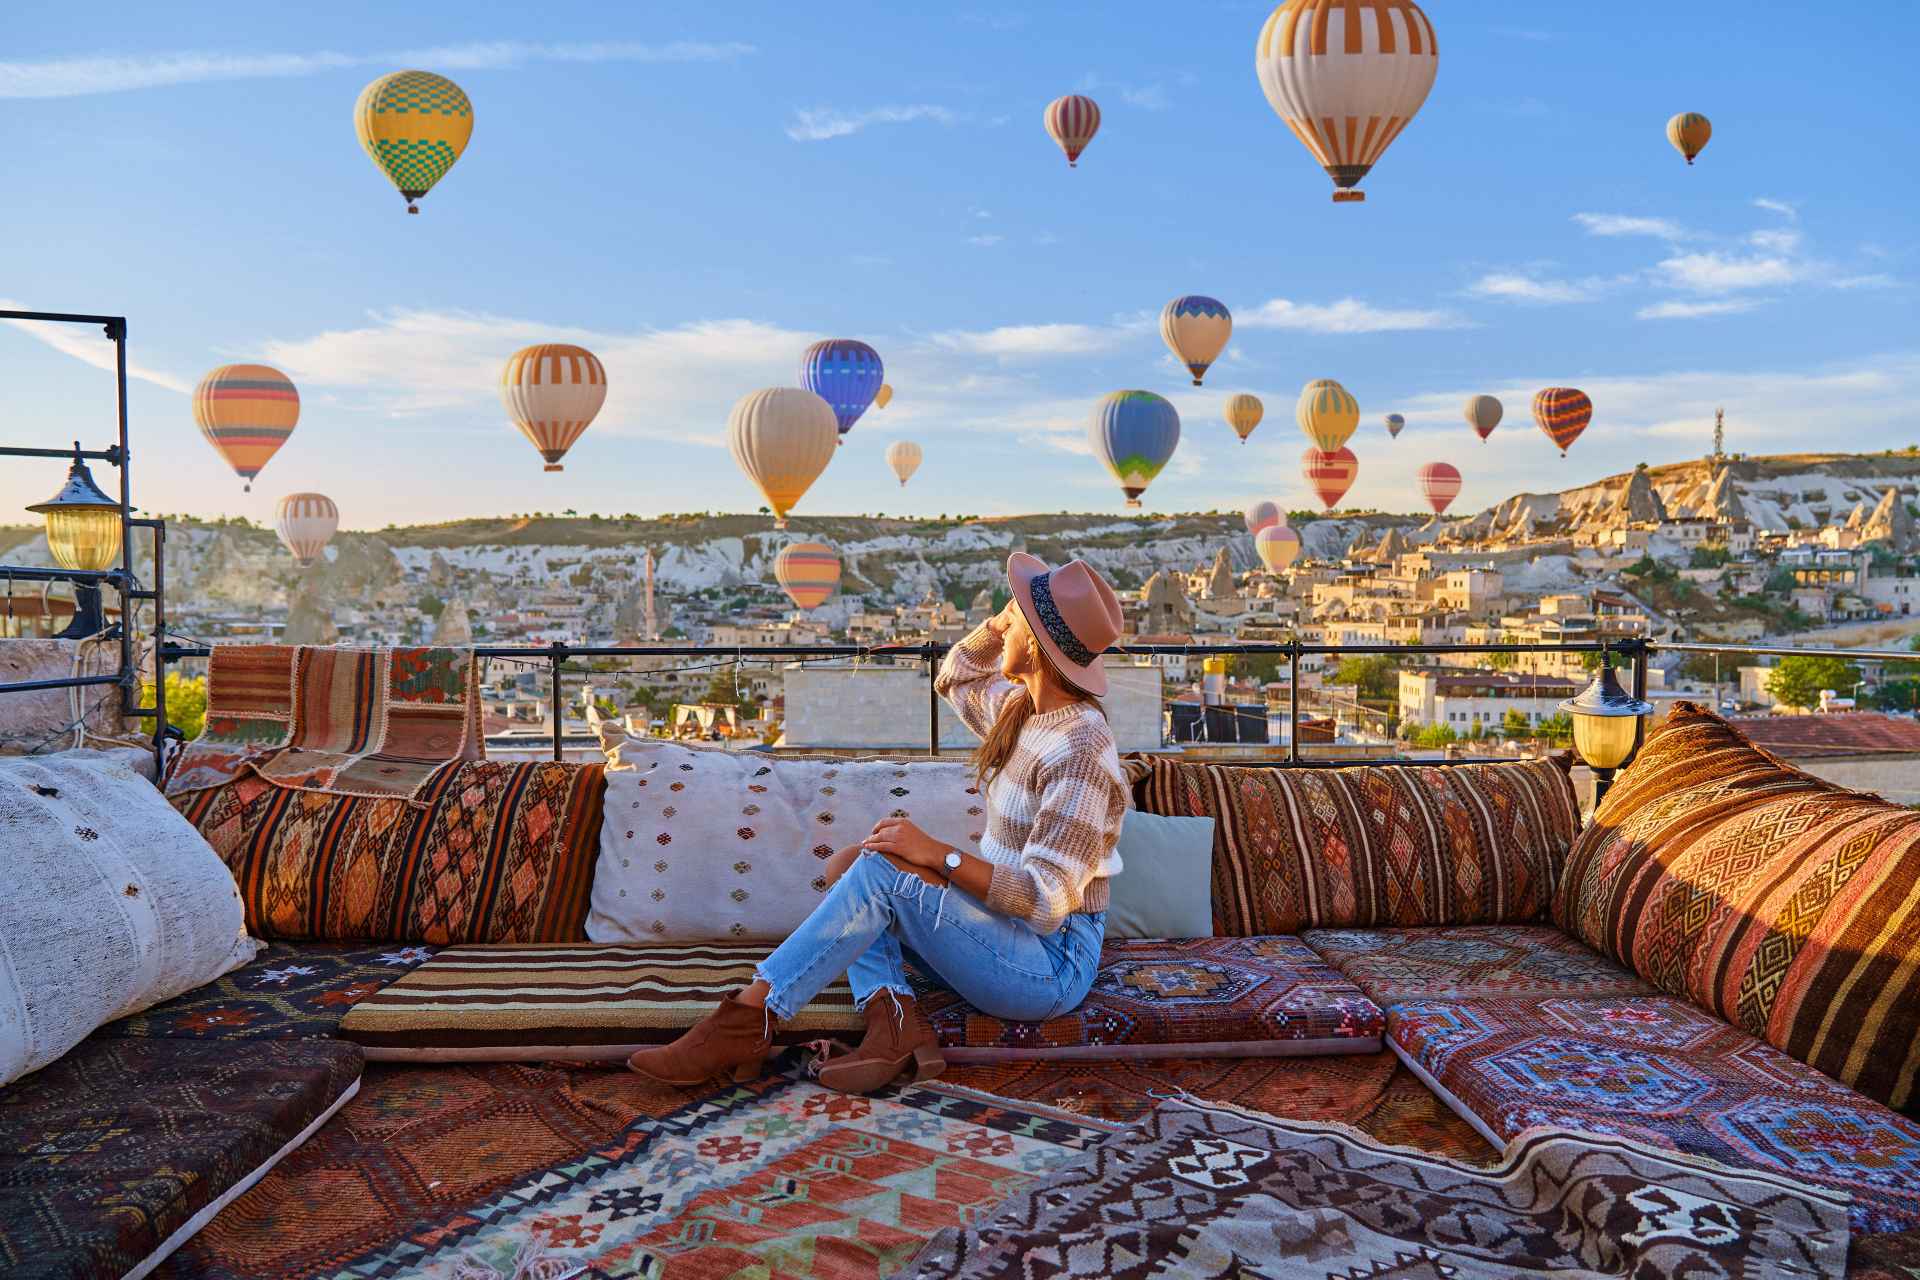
(1057, 629)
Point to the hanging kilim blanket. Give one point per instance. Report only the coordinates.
(353, 722)
(1206, 1190)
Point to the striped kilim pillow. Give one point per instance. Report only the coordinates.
(1785, 904)
(592, 1001)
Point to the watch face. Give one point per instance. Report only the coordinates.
(953, 860)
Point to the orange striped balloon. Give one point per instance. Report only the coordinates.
(552, 390)
(305, 523)
(808, 572)
(1563, 413)
(1439, 485)
(1329, 474)
(1071, 122)
(246, 412)
(1689, 132)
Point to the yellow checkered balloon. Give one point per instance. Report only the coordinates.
(414, 124)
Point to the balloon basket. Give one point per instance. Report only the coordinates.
(553, 466)
(1133, 504)
(1349, 197)
(413, 208)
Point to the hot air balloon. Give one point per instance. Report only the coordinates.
(1195, 329)
(1329, 473)
(1563, 413)
(884, 396)
(1439, 484)
(414, 124)
(783, 438)
(1483, 414)
(1689, 132)
(1071, 122)
(246, 411)
(904, 457)
(844, 372)
(552, 390)
(1134, 433)
(808, 572)
(305, 523)
(1347, 76)
(1264, 515)
(1278, 546)
(1244, 413)
(1395, 425)
(1327, 413)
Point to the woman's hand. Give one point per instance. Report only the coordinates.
(904, 842)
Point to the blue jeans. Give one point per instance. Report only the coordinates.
(997, 963)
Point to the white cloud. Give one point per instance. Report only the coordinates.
(1028, 340)
(1697, 310)
(1715, 272)
(72, 77)
(1513, 286)
(1780, 207)
(1151, 97)
(1775, 241)
(819, 124)
(985, 241)
(1348, 315)
(89, 346)
(1617, 224)
(1877, 280)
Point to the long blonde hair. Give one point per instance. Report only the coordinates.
(991, 756)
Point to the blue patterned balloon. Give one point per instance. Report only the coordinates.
(844, 372)
(1134, 433)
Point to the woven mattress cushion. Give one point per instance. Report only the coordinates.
(1783, 903)
(1662, 1071)
(1470, 961)
(115, 1155)
(1192, 997)
(1374, 845)
(583, 1002)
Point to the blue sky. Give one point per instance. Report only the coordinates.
(695, 192)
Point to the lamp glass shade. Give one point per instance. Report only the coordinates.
(83, 524)
(1604, 741)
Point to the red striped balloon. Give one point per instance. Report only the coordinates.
(808, 572)
(1440, 483)
(1072, 121)
(1563, 413)
(1264, 515)
(1329, 475)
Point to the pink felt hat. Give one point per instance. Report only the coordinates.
(1073, 614)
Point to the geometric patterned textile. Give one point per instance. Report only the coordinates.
(1213, 997)
(492, 852)
(1885, 1257)
(1785, 904)
(592, 1001)
(1663, 1072)
(116, 1146)
(775, 1177)
(1374, 845)
(1202, 1189)
(291, 991)
(350, 722)
(1470, 961)
(1408, 1114)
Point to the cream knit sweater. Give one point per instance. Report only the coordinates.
(1053, 814)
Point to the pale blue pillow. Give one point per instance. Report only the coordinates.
(1165, 885)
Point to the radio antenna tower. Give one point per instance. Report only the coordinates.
(1719, 434)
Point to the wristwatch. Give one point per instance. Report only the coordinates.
(950, 863)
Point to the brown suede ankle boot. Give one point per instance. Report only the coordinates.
(897, 1036)
(728, 1044)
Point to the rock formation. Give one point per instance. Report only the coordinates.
(1891, 523)
(1641, 503)
(454, 626)
(1220, 584)
(1723, 499)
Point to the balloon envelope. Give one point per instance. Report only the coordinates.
(1563, 413)
(1347, 76)
(1328, 413)
(1264, 515)
(1439, 484)
(1071, 122)
(1134, 433)
(808, 572)
(1483, 414)
(1329, 473)
(1244, 413)
(782, 438)
(884, 396)
(1278, 546)
(1196, 329)
(414, 125)
(305, 523)
(1395, 425)
(844, 372)
(246, 412)
(904, 457)
(552, 391)
(1689, 132)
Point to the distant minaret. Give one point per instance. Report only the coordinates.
(1719, 435)
(653, 630)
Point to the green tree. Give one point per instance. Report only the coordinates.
(1375, 676)
(1516, 725)
(1798, 680)
(1434, 736)
(1556, 728)
(186, 702)
(430, 605)
(726, 687)
(1709, 557)
(1897, 695)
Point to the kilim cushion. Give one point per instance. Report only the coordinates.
(1661, 1071)
(534, 1003)
(493, 851)
(290, 991)
(1199, 997)
(1370, 845)
(114, 1156)
(1785, 904)
(1392, 965)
